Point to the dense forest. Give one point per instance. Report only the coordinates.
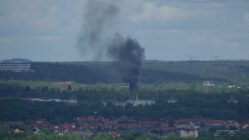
(152, 72)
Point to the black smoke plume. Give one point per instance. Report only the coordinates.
(97, 36)
(128, 55)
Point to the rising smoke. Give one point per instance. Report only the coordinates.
(128, 55)
(99, 18)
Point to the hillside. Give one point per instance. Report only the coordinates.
(152, 72)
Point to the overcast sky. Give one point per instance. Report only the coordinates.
(47, 30)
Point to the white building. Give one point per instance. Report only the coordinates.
(71, 101)
(15, 67)
(232, 100)
(172, 100)
(138, 102)
(117, 103)
(208, 84)
(134, 102)
(185, 133)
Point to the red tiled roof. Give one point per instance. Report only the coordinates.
(42, 123)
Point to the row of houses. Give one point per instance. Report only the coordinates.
(87, 126)
(91, 125)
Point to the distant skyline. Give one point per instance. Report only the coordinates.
(169, 30)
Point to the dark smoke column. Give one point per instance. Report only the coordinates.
(128, 55)
(99, 38)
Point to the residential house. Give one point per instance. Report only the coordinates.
(232, 100)
(208, 84)
(188, 132)
(42, 123)
(172, 100)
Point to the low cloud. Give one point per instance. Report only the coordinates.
(46, 38)
(49, 20)
(150, 11)
(246, 17)
(6, 40)
(38, 16)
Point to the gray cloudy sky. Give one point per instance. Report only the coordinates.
(47, 30)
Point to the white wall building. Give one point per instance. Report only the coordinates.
(15, 67)
(138, 102)
(185, 133)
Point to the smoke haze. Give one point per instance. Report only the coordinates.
(98, 38)
(98, 18)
